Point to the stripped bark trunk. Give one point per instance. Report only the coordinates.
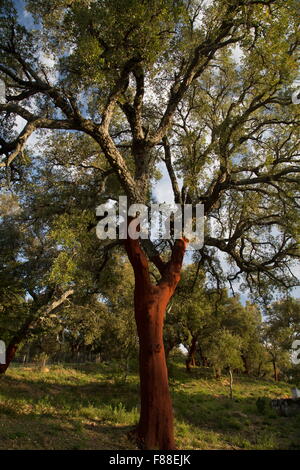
(155, 428)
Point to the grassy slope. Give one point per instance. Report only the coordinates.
(88, 408)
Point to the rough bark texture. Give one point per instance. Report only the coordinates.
(155, 428)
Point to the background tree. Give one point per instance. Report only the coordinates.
(25, 293)
(225, 352)
(229, 129)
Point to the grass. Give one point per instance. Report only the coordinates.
(84, 407)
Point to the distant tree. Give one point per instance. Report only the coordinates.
(25, 294)
(158, 80)
(244, 322)
(190, 313)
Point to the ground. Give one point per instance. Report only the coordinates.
(91, 407)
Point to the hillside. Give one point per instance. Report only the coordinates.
(90, 407)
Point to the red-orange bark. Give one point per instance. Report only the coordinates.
(155, 428)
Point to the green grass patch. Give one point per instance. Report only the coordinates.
(85, 407)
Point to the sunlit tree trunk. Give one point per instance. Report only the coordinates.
(155, 428)
(204, 360)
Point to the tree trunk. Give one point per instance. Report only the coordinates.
(14, 343)
(23, 331)
(168, 349)
(155, 428)
(190, 362)
(10, 354)
(246, 365)
(230, 382)
(259, 369)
